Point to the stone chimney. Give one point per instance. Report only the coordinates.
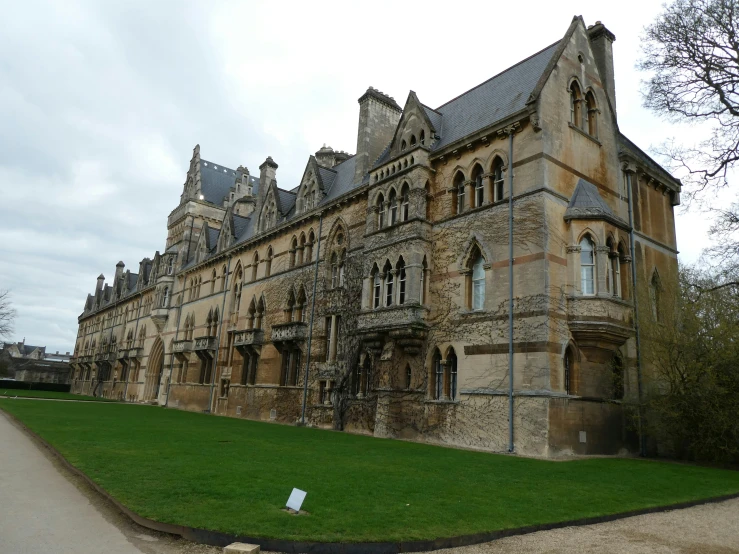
(601, 41)
(267, 172)
(378, 117)
(101, 281)
(119, 271)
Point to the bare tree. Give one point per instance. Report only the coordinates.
(7, 314)
(692, 53)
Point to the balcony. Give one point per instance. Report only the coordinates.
(135, 352)
(122, 354)
(247, 339)
(404, 324)
(289, 332)
(159, 317)
(205, 347)
(600, 321)
(182, 349)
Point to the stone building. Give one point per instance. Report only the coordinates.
(24, 362)
(386, 274)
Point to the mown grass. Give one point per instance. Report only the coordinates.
(49, 394)
(235, 475)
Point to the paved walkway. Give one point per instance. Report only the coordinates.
(46, 509)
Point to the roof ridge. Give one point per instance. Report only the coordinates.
(432, 109)
(496, 75)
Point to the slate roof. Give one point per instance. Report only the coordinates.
(132, 280)
(240, 225)
(216, 181)
(495, 99)
(213, 238)
(587, 203)
(625, 144)
(287, 200)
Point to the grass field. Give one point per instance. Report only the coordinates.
(49, 394)
(235, 475)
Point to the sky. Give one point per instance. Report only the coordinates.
(101, 104)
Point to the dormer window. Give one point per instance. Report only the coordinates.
(403, 145)
(422, 137)
(413, 140)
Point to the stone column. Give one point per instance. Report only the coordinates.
(574, 286)
(601, 268)
(413, 283)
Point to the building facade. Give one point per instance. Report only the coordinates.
(23, 362)
(382, 281)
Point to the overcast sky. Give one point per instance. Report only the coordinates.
(101, 104)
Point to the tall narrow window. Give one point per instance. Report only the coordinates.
(165, 297)
(376, 288)
(334, 268)
(260, 314)
(623, 280)
(389, 282)
(408, 375)
(610, 275)
(329, 338)
(254, 266)
(576, 117)
(404, 202)
(268, 263)
(478, 184)
(293, 251)
(401, 281)
(380, 205)
(452, 366)
(587, 266)
(498, 183)
(342, 265)
(459, 187)
(478, 283)
(309, 247)
(438, 376)
(655, 288)
(591, 114)
(213, 282)
(393, 207)
(424, 269)
(301, 250)
(422, 137)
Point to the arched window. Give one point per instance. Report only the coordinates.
(260, 314)
(342, 267)
(393, 207)
(614, 269)
(268, 263)
(309, 247)
(451, 366)
(610, 273)
(216, 322)
(380, 205)
(591, 114)
(389, 283)
(400, 267)
(403, 145)
(404, 202)
(478, 283)
(429, 200)
(165, 297)
(498, 183)
(438, 376)
(422, 137)
(479, 194)
(213, 282)
(301, 305)
(254, 266)
(252, 315)
(170, 265)
(290, 311)
(408, 373)
(587, 266)
(459, 187)
(376, 287)
(413, 140)
(293, 251)
(576, 117)
(301, 249)
(334, 268)
(568, 363)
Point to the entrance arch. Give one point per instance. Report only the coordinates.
(155, 366)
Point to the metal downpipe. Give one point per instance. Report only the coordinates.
(510, 291)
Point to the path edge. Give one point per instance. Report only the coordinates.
(216, 538)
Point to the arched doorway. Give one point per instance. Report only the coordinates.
(154, 368)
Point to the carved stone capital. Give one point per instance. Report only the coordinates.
(573, 249)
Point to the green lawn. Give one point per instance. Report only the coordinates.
(49, 394)
(235, 475)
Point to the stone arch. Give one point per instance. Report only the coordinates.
(155, 367)
(588, 231)
(475, 241)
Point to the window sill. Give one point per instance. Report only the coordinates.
(585, 134)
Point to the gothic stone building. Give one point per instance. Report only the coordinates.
(385, 274)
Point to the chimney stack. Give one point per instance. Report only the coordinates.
(118, 272)
(101, 281)
(378, 117)
(601, 41)
(267, 172)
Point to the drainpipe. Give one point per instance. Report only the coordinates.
(218, 339)
(642, 444)
(510, 289)
(310, 325)
(171, 355)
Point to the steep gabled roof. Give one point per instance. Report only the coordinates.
(494, 100)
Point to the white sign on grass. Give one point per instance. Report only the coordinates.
(296, 499)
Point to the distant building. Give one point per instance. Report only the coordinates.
(24, 362)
